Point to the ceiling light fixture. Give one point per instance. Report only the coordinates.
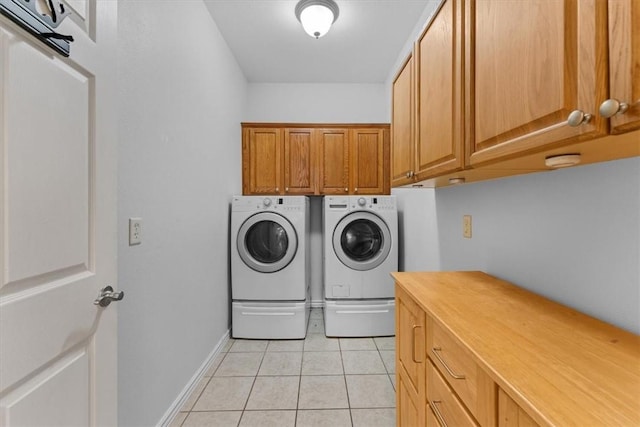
(317, 16)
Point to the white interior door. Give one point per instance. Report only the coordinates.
(58, 143)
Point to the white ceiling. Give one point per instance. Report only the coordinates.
(361, 47)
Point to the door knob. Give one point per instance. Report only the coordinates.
(107, 295)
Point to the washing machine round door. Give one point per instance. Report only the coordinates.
(267, 242)
(362, 240)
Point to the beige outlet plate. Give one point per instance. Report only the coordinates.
(466, 226)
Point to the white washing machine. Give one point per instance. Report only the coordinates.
(360, 252)
(270, 267)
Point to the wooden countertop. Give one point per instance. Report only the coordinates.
(563, 367)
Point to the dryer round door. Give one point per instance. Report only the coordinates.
(267, 242)
(362, 240)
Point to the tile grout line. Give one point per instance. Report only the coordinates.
(264, 352)
(346, 386)
(255, 378)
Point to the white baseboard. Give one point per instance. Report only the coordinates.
(177, 404)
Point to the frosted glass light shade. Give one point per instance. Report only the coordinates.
(317, 16)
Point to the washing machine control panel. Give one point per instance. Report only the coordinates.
(283, 204)
(374, 203)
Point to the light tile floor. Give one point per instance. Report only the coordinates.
(317, 381)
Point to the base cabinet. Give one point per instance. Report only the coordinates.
(473, 350)
(510, 414)
(410, 407)
(410, 360)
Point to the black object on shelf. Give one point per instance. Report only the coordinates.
(25, 14)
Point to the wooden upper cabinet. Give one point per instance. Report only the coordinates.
(262, 161)
(333, 174)
(624, 66)
(308, 159)
(402, 134)
(529, 66)
(440, 88)
(299, 161)
(368, 174)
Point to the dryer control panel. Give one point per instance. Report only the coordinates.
(374, 203)
(270, 203)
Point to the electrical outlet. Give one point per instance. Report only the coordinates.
(466, 226)
(135, 231)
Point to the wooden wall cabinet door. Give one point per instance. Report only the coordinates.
(300, 156)
(308, 159)
(262, 161)
(333, 174)
(623, 105)
(530, 81)
(440, 88)
(368, 170)
(402, 120)
(411, 361)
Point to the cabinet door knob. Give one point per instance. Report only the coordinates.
(577, 118)
(277, 189)
(356, 190)
(611, 107)
(346, 190)
(409, 174)
(286, 189)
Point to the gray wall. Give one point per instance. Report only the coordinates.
(317, 103)
(181, 98)
(572, 235)
(417, 229)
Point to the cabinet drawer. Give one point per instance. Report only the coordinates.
(473, 386)
(432, 421)
(454, 363)
(444, 403)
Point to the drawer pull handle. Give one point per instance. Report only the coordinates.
(437, 413)
(413, 343)
(436, 352)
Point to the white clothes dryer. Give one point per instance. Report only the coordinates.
(269, 253)
(360, 252)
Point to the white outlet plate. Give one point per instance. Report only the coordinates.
(466, 226)
(135, 231)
